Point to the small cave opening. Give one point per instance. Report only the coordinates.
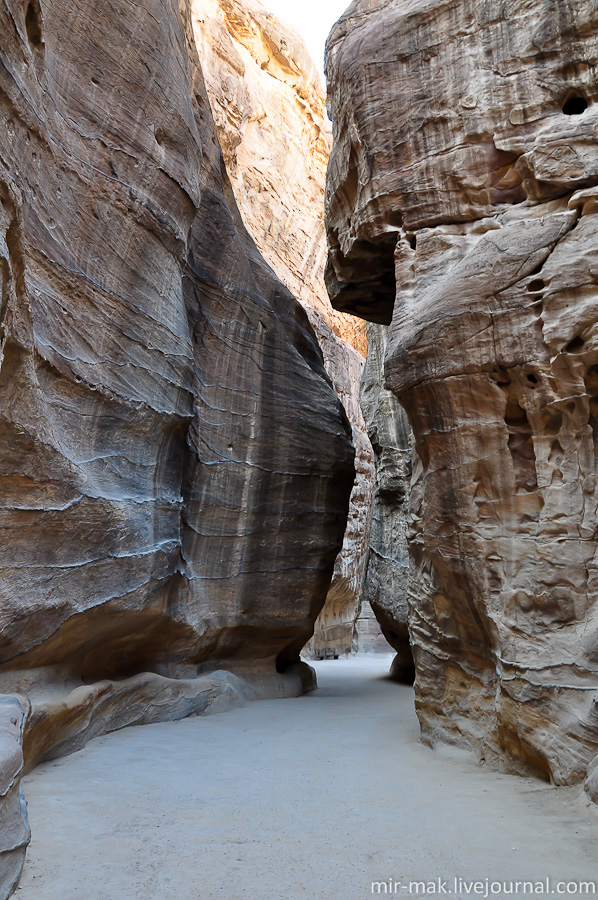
(575, 105)
(33, 24)
(576, 345)
(535, 286)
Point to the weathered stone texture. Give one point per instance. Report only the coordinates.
(335, 626)
(269, 112)
(175, 466)
(461, 194)
(14, 827)
(269, 109)
(386, 582)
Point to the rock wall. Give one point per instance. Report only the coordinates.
(269, 110)
(335, 628)
(14, 826)
(175, 466)
(461, 209)
(386, 583)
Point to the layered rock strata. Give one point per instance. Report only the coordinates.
(175, 465)
(461, 209)
(269, 110)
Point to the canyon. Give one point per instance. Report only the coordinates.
(269, 111)
(204, 481)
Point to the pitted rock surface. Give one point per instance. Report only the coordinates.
(461, 211)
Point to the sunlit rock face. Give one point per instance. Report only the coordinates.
(461, 208)
(175, 466)
(269, 111)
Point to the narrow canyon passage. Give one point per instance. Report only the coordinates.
(313, 797)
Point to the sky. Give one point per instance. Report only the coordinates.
(313, 19)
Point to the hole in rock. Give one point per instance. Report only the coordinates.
(412, 241)
(576, 345)
(575, 105)
(535, 286)
(33, 24)
(532, 378)
(161, 136)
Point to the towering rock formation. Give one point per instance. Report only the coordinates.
(461, 210)
(175, 465)
(269, 110)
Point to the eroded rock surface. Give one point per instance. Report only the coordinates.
(335, 629)
(386, 582)
(14, 827)
(175, 466)
(461, 195)
(269, 111)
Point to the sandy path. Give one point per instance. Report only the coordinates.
(308, 798)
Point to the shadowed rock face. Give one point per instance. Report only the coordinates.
(387, 576)
(462, 181)
(175, 466)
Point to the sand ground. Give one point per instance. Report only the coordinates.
(309, 798)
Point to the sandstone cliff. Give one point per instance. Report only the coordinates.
(269, 111)
(461, 210)
(175, 465)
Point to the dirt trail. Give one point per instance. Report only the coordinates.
(290, 799)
